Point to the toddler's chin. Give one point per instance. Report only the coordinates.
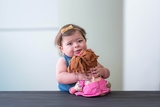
(76, 54)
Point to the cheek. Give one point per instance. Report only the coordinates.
(68, 49)
(84, 45)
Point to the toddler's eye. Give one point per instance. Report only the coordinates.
(80, 40)
(69, 44)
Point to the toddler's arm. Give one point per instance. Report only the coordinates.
(62, 75)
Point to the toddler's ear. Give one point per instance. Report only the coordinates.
(60, 47)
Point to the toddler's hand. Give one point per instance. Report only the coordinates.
(97, 72)
(84, 76)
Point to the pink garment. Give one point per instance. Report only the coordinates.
(94, 89)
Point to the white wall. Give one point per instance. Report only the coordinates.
(102, 20)
(27, 53)
(27, 29)
(141, 45)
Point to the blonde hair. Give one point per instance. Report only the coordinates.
(68, 30)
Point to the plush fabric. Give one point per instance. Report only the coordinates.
(81, 64)
(92, 89)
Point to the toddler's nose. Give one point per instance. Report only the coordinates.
(76, 45)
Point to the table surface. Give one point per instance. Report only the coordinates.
(64, 99)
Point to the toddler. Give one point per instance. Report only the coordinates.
(71, 40)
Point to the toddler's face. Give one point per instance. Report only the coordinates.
(73, 44)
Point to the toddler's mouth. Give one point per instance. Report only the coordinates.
(77, 52)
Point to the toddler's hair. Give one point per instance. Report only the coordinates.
(68, 30)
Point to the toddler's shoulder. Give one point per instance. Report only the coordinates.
(61, 59)
(61, 63)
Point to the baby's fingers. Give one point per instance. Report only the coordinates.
(88, 77)
(96, 75)
(94, 72)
